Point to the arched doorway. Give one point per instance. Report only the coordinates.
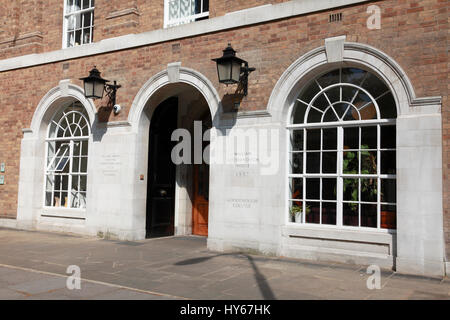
(177, 193)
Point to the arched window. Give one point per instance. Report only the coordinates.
(67, 157)
(342, 152)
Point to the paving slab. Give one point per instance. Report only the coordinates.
(33, 266)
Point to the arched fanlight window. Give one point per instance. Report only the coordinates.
(342, 152)
(67, 157)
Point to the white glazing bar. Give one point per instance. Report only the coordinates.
(378, 179)
(339, 182)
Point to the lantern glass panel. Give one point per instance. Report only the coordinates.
(98, 89)
(88, 88)
(224, 71)
(236, 71)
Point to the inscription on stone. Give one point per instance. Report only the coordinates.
(110, 164)
(242, 203)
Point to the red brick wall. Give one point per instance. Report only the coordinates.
(26, 16)
(414, 33)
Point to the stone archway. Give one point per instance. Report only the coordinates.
(194, 91)
(32, 159)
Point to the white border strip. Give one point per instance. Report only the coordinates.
(238, 19)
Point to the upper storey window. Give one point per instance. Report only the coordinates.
(178, 12)
(78, 22)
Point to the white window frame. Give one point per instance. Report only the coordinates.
(339, 175)
(67, 15)
(182, 20)
(70, 141)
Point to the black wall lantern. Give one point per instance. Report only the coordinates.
(94, 85)
(232, 69)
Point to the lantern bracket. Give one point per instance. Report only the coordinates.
(111, 90)
(245, 71)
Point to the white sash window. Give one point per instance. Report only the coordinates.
(78, 22)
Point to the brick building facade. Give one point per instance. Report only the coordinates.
(131, 45)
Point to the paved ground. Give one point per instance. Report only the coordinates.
(33, 265)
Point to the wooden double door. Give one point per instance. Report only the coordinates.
(160, 216)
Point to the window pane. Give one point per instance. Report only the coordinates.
(387, 107)
(369, 215)
(295, 211)
(350, 162)
(349, 93)
(313, 162)
(83, 167)
(388, 135)
(374, 86)
(297, 162)
(205, 5)
(341, 109)
(368, 162)
(369, 190)
(85, 4)
(83, 183)
(64, 199)
(48, 199)
(313, 188)
(299, 113)
(84, 148)
(86, 35)
(77, 38)
(350, 189)
(308, 94)
(313, 139)
(388, 190)
(329, 78)
(49, 182)
(76, 164)
(333, 94)
(57, 199)
(296, 188)
(314, 116)
(312, 212)
(321, 103)
(329, 139)
(353, 75)
(330, 116)
(75, 183)
(329, 162)
(329, 188)
(329, 213)
(388, 217)
(350, 214)
(351, 138)
(387, 162)
(87, 19)
(69, 6)
(297, 140)
(369, 137)
(71, 23)
(77, 4)
(367, 110)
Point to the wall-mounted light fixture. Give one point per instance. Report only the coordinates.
(232, 69)
(95, 85)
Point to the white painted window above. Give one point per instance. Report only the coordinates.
(78, 22)
(178, 12)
